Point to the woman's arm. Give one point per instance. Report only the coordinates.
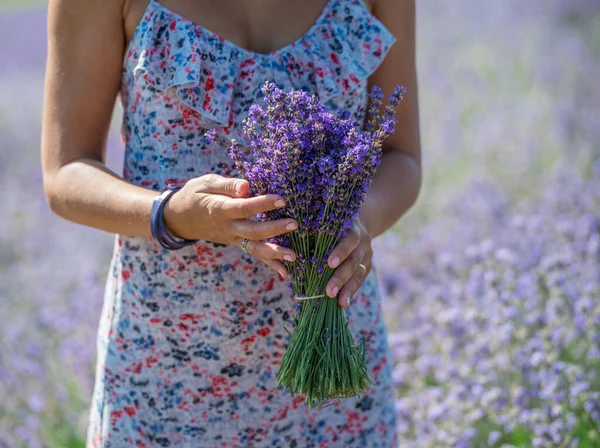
(85, 54)
(83, 72)
(398, 180)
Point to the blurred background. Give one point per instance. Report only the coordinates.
(491, 282)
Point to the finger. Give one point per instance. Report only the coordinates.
(246, 208)
(344, 272)
(268, 251)
(344, 248)
(353, 284)
(276, 265)
(254, 230)
(227, 186)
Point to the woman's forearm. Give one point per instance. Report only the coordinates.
(85, 191)
(394, 190)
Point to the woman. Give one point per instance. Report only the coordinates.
(190, 340)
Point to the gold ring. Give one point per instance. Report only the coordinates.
(245, 244)
(363, 266)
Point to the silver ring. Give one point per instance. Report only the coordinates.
(245, 244)
(363, 266)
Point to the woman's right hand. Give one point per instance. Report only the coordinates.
(217, 209)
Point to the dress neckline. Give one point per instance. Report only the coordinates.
(253, 54)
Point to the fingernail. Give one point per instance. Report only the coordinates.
(279, 203)
(347, 300)
(282, 274)
(291, 226)
(238, 187)
(335, 290)
(335, 262)
(288, 257)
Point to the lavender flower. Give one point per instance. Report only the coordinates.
(323, 164)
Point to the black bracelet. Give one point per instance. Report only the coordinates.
(157, 222)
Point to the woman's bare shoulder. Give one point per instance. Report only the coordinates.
(77, 9)
(83, 75)
(85, 17)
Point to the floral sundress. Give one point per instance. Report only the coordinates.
(190, 341)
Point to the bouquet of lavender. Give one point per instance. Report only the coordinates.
(323, 164)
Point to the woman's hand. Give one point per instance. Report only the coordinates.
(352, 251)
(217, 209)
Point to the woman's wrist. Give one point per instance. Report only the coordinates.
(366, 218)
(172, 213)
(158, 227)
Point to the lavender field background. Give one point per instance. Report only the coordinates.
(491, 283)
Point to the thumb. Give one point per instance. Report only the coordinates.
(227, 186)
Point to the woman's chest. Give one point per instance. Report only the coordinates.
(179, 75)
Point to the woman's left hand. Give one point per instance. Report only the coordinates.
(352, 258)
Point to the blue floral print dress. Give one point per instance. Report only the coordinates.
(190, 341)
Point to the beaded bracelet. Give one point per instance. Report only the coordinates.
(157, 222)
